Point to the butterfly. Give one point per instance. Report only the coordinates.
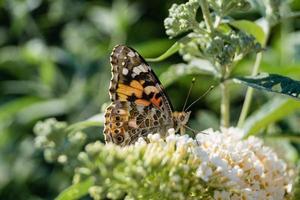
(139, 105)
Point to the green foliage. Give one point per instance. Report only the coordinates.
(222, 47)
(76, 191)
(54, 64)
(225, 7)
(272, 83)
(173, 49)
(182, 18)
(51, 64)
(272, 10)
(251, 28)
(270, 112)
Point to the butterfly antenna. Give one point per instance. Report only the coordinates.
(189, 93)
(194, 133)
(208, 91)
(193, 130)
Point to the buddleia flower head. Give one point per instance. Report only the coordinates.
(215, 165)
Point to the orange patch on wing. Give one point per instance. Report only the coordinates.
(128, 91)
(122, 97)
(155, 101)
(142, 102)
(137, 85)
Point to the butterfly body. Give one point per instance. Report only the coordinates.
(139, 104)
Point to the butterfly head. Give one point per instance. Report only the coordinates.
(180, 120)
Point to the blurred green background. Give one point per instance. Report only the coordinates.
(54, 62)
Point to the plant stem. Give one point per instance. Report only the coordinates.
(225, 115)
(206, 15)
(249, 93)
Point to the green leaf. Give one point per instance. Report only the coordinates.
(76, 191)
(251, 28)
(10, 109)
(96, 120)
(43, 109)
(287, 70)
(173, 49)
(195, 67)
(272, 111)
(293, 137)
(153, 47)
(25, 87)
(273, 83)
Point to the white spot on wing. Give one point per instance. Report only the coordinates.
(125, 71)
(140, 109)
(137, 70)
(130, 54)
(142, 68)
(145, 68)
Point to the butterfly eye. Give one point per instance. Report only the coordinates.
(181, 118)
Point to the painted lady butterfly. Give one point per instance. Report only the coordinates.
(139, 104)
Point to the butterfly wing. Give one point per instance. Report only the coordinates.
(139, 104)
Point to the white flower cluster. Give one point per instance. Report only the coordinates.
(235, 168)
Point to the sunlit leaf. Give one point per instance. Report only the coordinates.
(173, 49)
(96, 120)
(43, 109)
(251, 28)
(270, 112)
(273, 83)
(288, 70)
(76, 191)
(196, 66)
(152, 47)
